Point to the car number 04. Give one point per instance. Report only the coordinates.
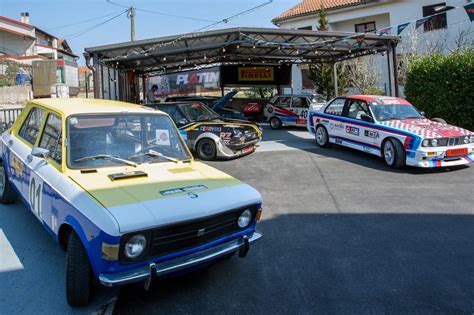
(34, 193)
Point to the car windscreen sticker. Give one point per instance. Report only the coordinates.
(162, 137)
(181, 190)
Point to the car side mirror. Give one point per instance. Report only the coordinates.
(366, 118)
(422, 113)
(40, 152)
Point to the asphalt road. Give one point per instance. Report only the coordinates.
(342, 234)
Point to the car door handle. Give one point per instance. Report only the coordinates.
(10, 142)
(29, 158)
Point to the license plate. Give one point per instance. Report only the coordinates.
(455, 152)
(247, 149)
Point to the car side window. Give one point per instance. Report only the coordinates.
(32, 125)
(284, 102)
(51, 137)
(356, 109)
(177, 116)
(336, 107)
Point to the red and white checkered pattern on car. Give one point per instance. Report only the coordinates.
(426, 128)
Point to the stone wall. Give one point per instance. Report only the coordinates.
(15, 94)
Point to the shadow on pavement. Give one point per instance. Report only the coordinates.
(331, 263)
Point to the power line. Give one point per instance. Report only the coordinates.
(161, 13)
(82, 22)
(81, 32)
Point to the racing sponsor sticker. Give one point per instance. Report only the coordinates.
(352, 130)
(17, 165)
(372, 134)
(162, 137)
(180, 190)
(210, 128)
(336, 125)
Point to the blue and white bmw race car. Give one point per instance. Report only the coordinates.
(393, 129)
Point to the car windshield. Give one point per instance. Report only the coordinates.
(317, 98)
(394, 112)
(122, 139)
(198, 111)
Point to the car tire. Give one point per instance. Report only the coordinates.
(394, 153)
(322, 137)
(7, 193)
(206, 149)
(275, 123)
(78, 273)
(440, 120)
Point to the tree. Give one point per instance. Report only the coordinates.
(322, 74)
(365, 75)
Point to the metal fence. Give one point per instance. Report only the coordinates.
(8, 117)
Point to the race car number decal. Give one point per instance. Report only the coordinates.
(226, 135)
(35, 194)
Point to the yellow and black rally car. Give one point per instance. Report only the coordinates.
(210, 135)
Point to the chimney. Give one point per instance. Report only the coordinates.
(25, 17)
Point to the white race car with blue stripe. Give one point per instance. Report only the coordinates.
(116, 186)
(393, 129)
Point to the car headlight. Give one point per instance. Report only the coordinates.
(467, 140)
(434, 143)
(244, 219)
(135, 246)
(426, 143)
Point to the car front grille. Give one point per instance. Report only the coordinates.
(186, 235)
(450, 142)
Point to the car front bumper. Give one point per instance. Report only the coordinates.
(436, 157)
(233, 151)
(148, 273)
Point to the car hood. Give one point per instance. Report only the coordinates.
(169, 193)
(427, 128)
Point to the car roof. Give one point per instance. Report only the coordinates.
(381, 100)
(71, 106)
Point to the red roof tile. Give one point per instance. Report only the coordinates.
(311, 6)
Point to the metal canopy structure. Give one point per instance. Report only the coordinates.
(239, 46)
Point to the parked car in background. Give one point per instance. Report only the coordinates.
(215, 103)
(210, 135)
(290, 110)
(393, 129)
(116, 186)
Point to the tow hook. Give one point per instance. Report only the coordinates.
(149, 283)
(244, 248)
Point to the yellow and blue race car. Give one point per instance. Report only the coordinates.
(116, 186)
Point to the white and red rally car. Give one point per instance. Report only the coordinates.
(393, 129)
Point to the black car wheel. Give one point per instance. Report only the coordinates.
(7, 193)
(322, 137)
(78, 273)
(275, 123)
(206, 149)
(394, 153)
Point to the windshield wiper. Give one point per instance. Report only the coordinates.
(411, 118)
(106, 157)
(155, 153)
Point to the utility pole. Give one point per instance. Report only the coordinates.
(132, 23)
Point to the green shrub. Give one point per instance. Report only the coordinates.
(443, 86)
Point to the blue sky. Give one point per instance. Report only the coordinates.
(50, 14)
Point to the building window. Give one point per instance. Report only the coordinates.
(309, 28)
(365, 27)
(437, 22)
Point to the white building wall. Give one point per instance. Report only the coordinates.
(392, 13)
(16, 45)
